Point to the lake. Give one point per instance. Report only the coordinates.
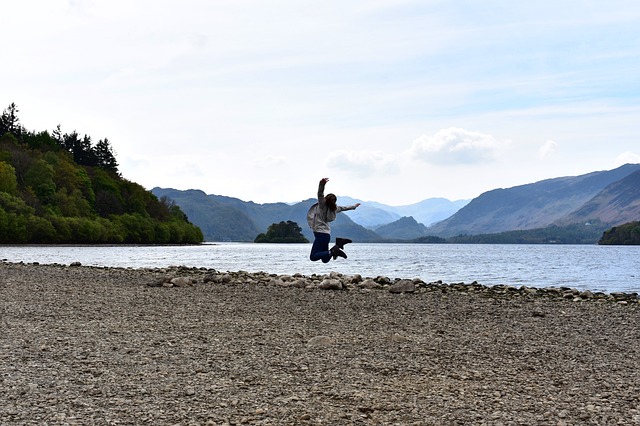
(585, 267)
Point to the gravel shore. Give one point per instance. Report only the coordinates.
(85, 345)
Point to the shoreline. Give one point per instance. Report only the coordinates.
(102, 345)
(348, 281)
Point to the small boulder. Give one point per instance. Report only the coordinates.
(181, 282)
(403, 286)
(330, 284)
(369, 284)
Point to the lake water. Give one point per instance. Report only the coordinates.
(592, 267)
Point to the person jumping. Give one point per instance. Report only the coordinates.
(318, 218)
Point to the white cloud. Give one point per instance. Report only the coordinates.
(271, 161)
(548, 150)
(455, 146)
(361, 163)
(627, 157)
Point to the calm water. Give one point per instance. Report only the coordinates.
(598, 268)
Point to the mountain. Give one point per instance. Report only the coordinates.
(224, 218)
(220, 220)
(372, 214)
(427, 211)
(604, 197)
(617, 203)
(405, 228)
(368, 214)
(539, 204)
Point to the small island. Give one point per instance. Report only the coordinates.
(283, 232)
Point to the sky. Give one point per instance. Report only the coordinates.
(395, 101)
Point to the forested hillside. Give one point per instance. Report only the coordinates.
(626, 234)
(63, 188)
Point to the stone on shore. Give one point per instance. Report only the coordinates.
(403, 286)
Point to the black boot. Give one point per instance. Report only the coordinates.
(340, 242)
(336, 252)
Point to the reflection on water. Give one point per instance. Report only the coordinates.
(598, 268)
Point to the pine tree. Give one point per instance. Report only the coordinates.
(9, 121)
(105, 157)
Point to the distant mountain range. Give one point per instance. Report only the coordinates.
(372, 214)
(611, 197)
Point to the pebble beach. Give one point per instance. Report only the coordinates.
(193, 346)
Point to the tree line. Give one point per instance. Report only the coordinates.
(62, 188)
(82, 149)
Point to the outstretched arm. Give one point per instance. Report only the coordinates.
(323, 182)
(344, 208)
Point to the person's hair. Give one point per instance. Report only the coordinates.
(330, 201)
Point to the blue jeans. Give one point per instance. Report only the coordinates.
(320, 247)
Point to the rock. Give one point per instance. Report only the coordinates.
(369, 284)
(75, 264)
(403, 286)
(299, 283)
(586, 295)
(277, 282)
(330, 284)
(158, 282)
(181, 281)
(357, 278)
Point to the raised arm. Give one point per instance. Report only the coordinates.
(321, 185)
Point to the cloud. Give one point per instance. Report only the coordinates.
(270, 161)
(362, 163)
(455, 146)
(627, 157)
(547, 150)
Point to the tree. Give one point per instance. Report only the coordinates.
(283, 232)
(9, 121)
(81, 149)
(104, 155)
(8, 181)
